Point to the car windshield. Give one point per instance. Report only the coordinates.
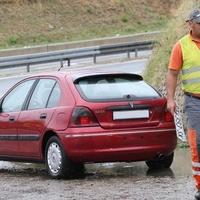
(114, 87)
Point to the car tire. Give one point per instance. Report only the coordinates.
(161, 163)
(57, 163)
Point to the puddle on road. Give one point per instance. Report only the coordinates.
(180, 167)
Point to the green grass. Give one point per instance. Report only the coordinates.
(85, 33)
(176, 28)
(66, 21)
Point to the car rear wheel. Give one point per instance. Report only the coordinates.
(161, 162)
(57, 163)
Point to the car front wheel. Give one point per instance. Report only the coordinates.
(161, 163)
(57, 163)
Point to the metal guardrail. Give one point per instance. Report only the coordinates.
(117, 39)
(68, 55)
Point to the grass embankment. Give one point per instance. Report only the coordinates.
(156, 71)
(176, 28)
(31, 22)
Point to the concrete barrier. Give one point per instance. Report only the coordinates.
(84, 43)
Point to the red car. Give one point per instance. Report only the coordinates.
(66, 119)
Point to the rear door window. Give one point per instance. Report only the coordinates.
(41, 94)
(114, 87)
(55, 97)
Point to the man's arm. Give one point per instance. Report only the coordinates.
(171, 83)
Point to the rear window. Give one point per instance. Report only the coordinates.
(114, 87)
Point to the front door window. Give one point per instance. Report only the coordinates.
(14, 101)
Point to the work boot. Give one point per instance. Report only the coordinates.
(197, 195)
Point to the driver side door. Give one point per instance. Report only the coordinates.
(11, 106)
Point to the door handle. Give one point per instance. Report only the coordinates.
(11, 118)
(43, 116)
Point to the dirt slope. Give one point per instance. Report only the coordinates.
(26, 22)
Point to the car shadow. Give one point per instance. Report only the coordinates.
(160, 173)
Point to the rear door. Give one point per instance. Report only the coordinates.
(34, 120)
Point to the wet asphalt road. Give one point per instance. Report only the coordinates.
(111, 181)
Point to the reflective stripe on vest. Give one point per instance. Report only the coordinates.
(191, 65)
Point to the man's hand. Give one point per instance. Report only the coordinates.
(171, 87)
(171, 106)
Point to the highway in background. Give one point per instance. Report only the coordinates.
(133, 66)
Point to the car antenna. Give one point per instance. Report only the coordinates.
(61, 65)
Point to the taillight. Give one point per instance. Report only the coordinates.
(168, 117)
(82, 117)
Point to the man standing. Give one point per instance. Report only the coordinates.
(185, 58)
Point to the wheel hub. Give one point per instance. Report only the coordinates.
(54, 157)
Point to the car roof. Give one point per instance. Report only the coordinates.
(80, 73)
